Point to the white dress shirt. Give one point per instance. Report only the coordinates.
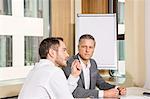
(86, 74)
(47, 81)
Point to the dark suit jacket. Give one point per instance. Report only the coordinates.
(95, 80)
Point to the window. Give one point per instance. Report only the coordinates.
(5, 50)
(121, 37)
(24, 23)
(120, 41)
(32, 9)
(5, 40)
(117, 6)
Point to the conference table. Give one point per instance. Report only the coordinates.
(135, 93)
(132, 93)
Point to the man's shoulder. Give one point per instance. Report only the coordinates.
(93, 60)
(72, 58)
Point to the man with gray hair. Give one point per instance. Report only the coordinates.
(89, 77)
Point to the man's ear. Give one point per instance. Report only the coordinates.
(52, 53)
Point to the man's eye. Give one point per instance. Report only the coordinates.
(91, 47)
(83, 46)
(64, 50)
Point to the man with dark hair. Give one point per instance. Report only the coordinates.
(89, 77)
(47, 80)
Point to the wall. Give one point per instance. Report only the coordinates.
(147, 42)
(134, 39)
(10, 90)
(93, 7)
(62, 21)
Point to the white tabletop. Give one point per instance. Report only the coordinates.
(135, 93)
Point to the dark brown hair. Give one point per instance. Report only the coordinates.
(46, 44)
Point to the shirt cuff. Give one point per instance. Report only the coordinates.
(73, 80)
(100, 93)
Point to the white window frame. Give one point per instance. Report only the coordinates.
(121, 63)
(18, 27)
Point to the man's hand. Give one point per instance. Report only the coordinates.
(122, 90)
(75, 68)
(112, 93)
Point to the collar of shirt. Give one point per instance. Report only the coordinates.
(86, 72)
(44, 62)
(84, 66)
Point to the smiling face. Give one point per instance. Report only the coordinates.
(86, 49)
